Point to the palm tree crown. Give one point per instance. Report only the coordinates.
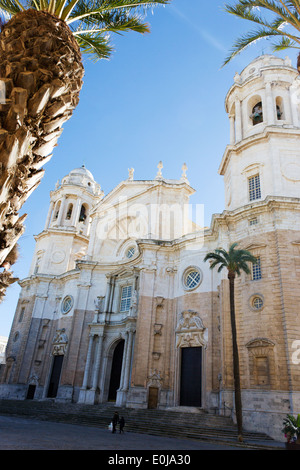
(280, 23)
(91, 21)
(234, 260)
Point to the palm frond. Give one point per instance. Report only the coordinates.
(284, 43)
(95, 7)
(95, 45)
(217, 259)
(294, 4)
(10, 6)
(284, 13)
(116, 21)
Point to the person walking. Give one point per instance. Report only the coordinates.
(115, 421)
(122, 424)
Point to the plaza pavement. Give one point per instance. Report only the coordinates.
(30, 434)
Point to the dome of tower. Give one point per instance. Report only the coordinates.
(265, 61)
(80, 177)
(82, 171)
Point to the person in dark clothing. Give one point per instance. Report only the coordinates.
(115, 421)
(122, 424)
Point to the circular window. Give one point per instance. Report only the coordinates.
(67, 304)
(256, 302)
(130, 252)
(192, 278)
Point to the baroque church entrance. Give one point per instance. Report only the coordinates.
(55, 376)
(191, 376)
(116, 369)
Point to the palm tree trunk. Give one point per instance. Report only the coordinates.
(236, 366)
(41, 76)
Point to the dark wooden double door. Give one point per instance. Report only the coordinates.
(116, 371)
(55, 376)
(191, 377)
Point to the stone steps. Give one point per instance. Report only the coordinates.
(168, 423)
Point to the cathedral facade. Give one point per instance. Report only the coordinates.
(120, 306)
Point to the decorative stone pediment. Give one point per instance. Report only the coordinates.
(260, 343)
(190, 330)
(154, 379)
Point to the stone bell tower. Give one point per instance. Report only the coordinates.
(261, 169)
(263, 158)
(65, 236)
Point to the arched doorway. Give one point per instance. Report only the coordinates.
(116, 369)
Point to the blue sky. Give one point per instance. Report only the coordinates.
(160, 97)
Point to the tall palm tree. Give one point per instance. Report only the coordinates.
(41, 74)
(280, 23)
(235, 261)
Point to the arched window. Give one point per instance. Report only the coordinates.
(69, 212)
(56, 211)
(257, 113)
(83, 213)
(279, 108)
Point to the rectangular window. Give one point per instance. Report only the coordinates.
(253, 221)
(256, 270)
(254, 188)
(126, 295)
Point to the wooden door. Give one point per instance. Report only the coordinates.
(153, 398)
(191, 376)
(55, 376)
(116, 370)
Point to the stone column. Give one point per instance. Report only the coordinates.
(232, 129)
(76, 211)
(93, 233)
(83, 389)
(61, 211)
(270, 112)
(238, 121)
(294, 97)
(121, 387)
(97, 362)
(128, 359)
(111, 301)
(107, 295)
(124, 382)
(49, 215)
